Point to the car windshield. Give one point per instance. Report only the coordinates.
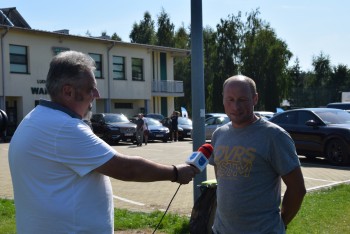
(217, 120)
(184, 121)
(151, 122)
(116, 118)
(334, 117)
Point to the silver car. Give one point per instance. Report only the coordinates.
(212, 123)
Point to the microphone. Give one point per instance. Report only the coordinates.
(200, 158)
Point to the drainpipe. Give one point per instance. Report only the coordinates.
(108, 101)
(3, 101)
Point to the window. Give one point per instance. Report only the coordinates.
(123, 106)
(137, 69)
(118, 68)
(18, 59)
(287, 118)
(98, 61)
(304, 117)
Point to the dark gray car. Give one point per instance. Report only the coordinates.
(318, 132)
(113, 127)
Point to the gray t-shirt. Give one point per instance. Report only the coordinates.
(249, 164)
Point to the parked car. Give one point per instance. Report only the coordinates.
(185, 127)
(112, 127)
(156, 130)
(212, 123)
(264, 114)
(318, 132)
(340, 105)
(208, 115)
(160, 117)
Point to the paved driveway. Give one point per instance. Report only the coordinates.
(157, 195)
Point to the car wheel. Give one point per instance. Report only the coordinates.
(336, 152)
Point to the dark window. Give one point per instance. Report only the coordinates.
(118, 68)
(18, 59)
(123, 106)
(286, 118)
(98, 61)
(137, 69)
(306, 116)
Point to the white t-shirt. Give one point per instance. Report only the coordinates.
(52, 158)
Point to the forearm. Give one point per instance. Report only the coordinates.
(293, 196)
(142, 170)
(290, 206)
(135, 168)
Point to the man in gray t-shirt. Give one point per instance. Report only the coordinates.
(250, 157)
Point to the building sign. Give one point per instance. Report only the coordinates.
(39, 90)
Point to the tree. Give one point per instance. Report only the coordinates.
(322, 70)
(182, 69)
(143, 32)
(165, 32)
(228, 36)
(296, 75)
(296, 87)
(116, 37)
(182, 38)
(339, 82)
(210, 61)
(265, 59)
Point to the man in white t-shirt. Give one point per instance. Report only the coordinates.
(60, 169)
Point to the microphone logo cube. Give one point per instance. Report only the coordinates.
(198, 160)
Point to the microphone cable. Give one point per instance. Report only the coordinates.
(166, 209)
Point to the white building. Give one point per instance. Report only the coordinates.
(131, 78)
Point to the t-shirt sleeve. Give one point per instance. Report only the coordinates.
(80, 149)
(283, 157)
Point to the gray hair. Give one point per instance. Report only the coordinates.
(68, 67)
(249, 81)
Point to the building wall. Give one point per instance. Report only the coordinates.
(22, 91)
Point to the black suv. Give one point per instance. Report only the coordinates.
(112, 127)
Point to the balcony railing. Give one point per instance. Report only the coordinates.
(167, 86)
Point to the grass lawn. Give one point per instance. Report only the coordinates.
(326, 211)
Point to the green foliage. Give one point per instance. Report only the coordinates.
(116, 37)
(265, 59)
(182, 38)
(165, 32)
(251, 47)
(325, 211)
(7, 216)
(210, 55)
(143, 32)
(171, 223)
(322, 70)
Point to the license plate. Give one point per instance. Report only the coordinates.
(188, 133)
(159, 135)
(128, 134)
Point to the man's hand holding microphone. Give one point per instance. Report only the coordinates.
(195, 163)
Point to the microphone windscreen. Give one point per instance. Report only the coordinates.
(206, 149)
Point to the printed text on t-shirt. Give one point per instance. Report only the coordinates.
(234, 161)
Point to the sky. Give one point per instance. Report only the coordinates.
(308, 27)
